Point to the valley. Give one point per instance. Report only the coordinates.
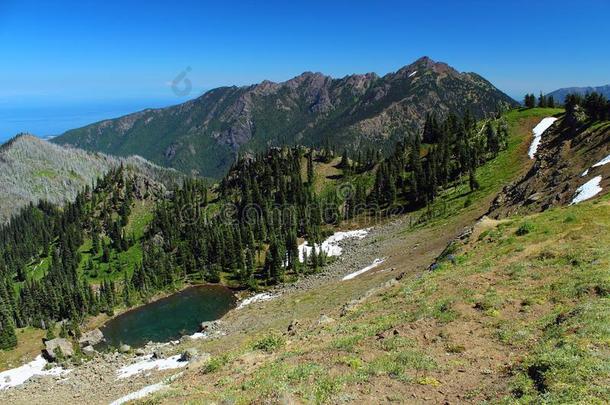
(320, 337)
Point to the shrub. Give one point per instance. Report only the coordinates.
(525, 228)
(269, 343)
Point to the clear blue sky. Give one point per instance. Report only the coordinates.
(86, 51)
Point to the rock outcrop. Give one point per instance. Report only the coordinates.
(57, 348)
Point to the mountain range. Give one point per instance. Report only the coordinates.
(203, 136)
(560, 94)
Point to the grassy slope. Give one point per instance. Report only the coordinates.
(463, 333)
(517, 318)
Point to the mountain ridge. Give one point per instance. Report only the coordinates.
(203, 136)
(560, 94)
(32, 169)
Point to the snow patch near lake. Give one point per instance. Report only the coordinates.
(331, 245)
(19, 375)
(355, 274)
(140, 393)
(538, 131)
(588, 190)
(148, 363)
(256, 298)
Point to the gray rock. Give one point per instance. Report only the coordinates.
(209, 326)
(57, 346)
(293, 327)
(159, 353)
(89, 350)
(124, 348)
(325, 320)
(140, 352)
(189, 354)
(91, 338)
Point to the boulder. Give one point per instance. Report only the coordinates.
(189, 354)
(293, 327)
(140, 352)
(58, 346)
(325, 320)
(91, 338)
(158, 354)
(209, 326)
(124, 348)
(89, 350)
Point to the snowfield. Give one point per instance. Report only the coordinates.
(19, 375)
(148, 363)
(355, 274)
(588, 190)
(413, 74)
(331, 245)
(256, 298)
(538, 131)
(140, 393)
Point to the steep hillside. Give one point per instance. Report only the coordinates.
(560, 94)
(571, 160)
(204, 135)
(32, 169)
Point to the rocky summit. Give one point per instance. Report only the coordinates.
(204, 135)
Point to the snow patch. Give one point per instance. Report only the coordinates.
(148, 363)
(256, 298)
(140, 393)
(19, 375)
(355, 274)
(602, 162)
(538, 131)
(413, 74)
(588, 190)
(331, 245)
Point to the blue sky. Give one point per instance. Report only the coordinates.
(79, 52)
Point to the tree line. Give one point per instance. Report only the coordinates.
(245, 230)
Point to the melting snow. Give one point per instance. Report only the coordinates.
(256, 298)
(602, 162)
(588, 190)
(355, 274)
(19, 375)
(148, 363)
(140, 393)
(538, 131)
(413, 74)
(331, 245)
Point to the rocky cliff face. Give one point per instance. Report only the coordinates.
(203, 136)
(569, 156)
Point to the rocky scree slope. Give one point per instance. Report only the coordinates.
(568, 157)
(32, 169)
(203, 136)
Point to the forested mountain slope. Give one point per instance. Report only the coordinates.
(204, 136)
(32, 170)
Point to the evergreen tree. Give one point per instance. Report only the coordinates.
(8, 338)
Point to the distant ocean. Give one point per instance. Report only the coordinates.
(52, 120)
